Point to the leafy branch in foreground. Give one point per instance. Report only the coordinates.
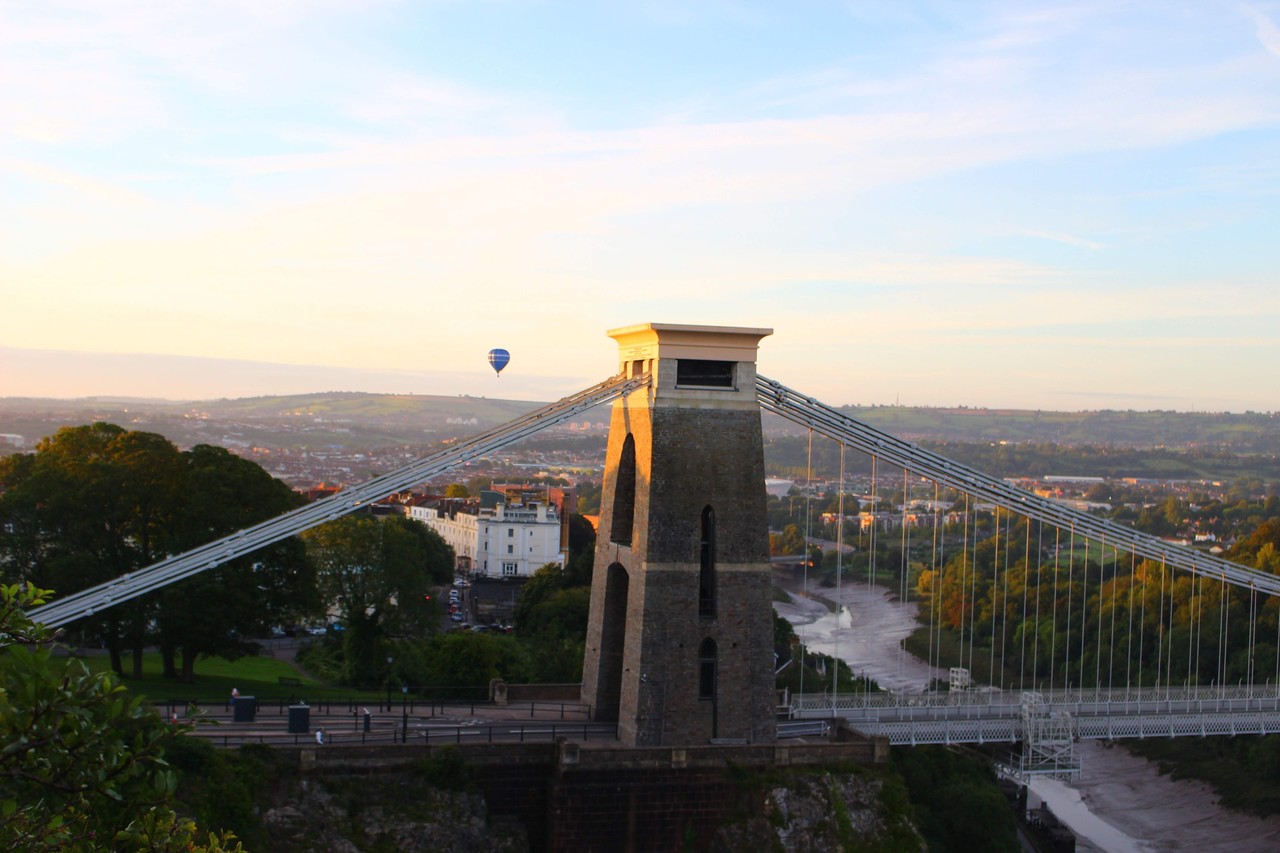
(82, 765)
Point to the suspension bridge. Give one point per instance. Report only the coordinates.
(1136, 638)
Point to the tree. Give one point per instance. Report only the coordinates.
(96, 502)
(90, 505)
(212, 612)
(456, 490)
(467, 660)
(83, 765)
(378, 572)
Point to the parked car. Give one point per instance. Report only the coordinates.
(456, 617)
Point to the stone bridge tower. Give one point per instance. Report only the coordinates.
(680, 638)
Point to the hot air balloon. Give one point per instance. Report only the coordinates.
(498, 359)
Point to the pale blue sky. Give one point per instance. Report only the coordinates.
(1069, 205)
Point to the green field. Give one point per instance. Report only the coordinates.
(252, 676)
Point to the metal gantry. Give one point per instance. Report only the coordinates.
(181, 566)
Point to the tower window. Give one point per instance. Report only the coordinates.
(704, 374)
(707, 669)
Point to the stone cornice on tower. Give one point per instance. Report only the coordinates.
(673, 340)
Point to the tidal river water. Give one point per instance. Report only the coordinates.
(1120, 803)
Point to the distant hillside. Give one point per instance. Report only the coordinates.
(376, 420)
(345, 421)
(1250, 432)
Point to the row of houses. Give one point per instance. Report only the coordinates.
(508, 532)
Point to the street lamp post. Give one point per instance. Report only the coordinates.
(389, 662)
(404, 708)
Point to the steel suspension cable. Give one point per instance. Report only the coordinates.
(1084, 608)
(1253, 632)
(808, 514)
(906, 538)
(1168, 667)
(777, 398)
(835, 675)
(1142, 634)
(875, 506)
(1053, 606)
(1224, 603)
(906, 550)
(995, 589)
(1004, 600)
(1102, 578)
(1111, 650)
(1026, 587)
(213, 554)
(1192, 604)
(1128, 657)
(1035, 648)
(935, 590)
(964, 575)
(1071, 561)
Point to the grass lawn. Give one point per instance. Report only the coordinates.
(252, 676)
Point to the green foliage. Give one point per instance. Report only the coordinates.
(223, 493)
(467, 660)
(95, 502)
(379, 571)
(83, 764)
(445, 768)
(222, 788)
(955, 801)
(551, 615)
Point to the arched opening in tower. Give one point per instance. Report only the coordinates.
(624, 495)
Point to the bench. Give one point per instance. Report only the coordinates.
(290, 680)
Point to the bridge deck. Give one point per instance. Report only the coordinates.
(996, 716)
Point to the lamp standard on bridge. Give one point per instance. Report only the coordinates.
(404, 710)
(390, 660)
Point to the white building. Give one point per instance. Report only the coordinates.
(503, 541)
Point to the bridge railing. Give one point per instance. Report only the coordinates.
(997, 703)
(421, 736)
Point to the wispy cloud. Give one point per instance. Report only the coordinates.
(1265, 29)
(1068, 239)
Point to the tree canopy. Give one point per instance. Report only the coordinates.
(379, 574)
(95, 502)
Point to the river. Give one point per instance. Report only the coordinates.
(1120, 803)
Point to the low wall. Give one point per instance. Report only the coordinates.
(574, 797)
(544, 692)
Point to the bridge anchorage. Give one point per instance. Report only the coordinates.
(1085, 628)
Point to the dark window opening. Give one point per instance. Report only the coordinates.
(707, 374)
(707, 565)
(624, 495)
(707, 669)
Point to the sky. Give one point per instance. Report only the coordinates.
(1030, 205)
